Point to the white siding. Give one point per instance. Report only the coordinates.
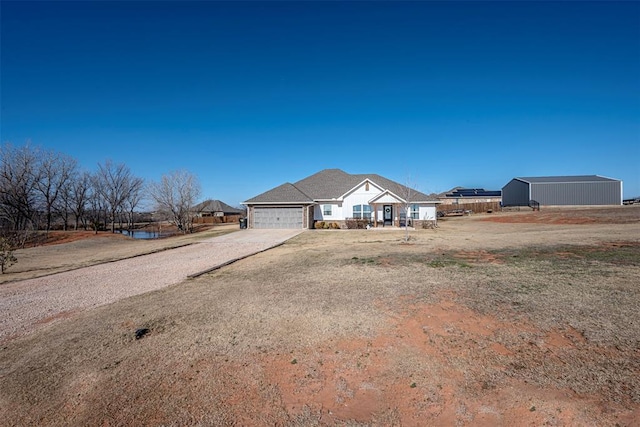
(360, 196)
(336, 212)
(427, 212)
(387, 199)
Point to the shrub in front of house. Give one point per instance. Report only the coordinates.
(356, 223)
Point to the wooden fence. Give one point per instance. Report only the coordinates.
(217, 219)
(482, 207)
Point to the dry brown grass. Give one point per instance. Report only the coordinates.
(473, 323)
(82, 249)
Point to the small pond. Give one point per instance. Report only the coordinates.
(143, 234)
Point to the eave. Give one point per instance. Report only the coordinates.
(306, 202)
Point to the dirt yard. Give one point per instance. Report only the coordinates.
(522, 318)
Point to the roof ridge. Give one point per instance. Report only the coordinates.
(294, 186)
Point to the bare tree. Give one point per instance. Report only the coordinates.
(76, 197)
(62, 207)
(37, 184)
(408, 194)
(96, 204)
(175, 195)
(116, 183)
(133, 199)
(55, 170)
(18, 179)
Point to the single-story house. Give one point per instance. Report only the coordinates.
(335, 196)
(216, 211)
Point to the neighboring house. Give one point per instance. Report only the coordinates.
(562, 190)
(215, 211)
(335, 196)
(460, 195)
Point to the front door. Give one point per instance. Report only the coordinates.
(387, 212)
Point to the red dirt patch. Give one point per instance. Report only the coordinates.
(388, 377)
(540, 218)
(479, 257)
(608, 215)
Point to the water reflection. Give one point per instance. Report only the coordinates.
(143, 234)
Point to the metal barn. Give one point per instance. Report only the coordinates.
(562, 191)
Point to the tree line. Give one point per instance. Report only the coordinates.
(40, 189)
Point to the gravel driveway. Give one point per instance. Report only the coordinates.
(26, 304)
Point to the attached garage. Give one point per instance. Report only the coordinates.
(282, 207)
(277, 217)
(335, 196)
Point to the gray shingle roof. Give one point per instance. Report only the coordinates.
(285, 193)
(327, 184)
(215, 206)
(564, 179)
(330, 184)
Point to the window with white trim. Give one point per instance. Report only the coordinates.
(326, 210)
(366, 211)
(362, 211)
(415, 211)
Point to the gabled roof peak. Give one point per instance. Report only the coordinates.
(330, 184)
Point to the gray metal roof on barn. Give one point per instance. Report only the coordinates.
(565, 179)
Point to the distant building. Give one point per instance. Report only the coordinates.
(460, 195)
(215, 211)
(578, 190)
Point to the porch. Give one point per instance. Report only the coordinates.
(390, 215)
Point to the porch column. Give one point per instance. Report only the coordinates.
(375, 215)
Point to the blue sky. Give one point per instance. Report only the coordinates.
(249, 95)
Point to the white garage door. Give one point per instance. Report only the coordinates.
(264, 217)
